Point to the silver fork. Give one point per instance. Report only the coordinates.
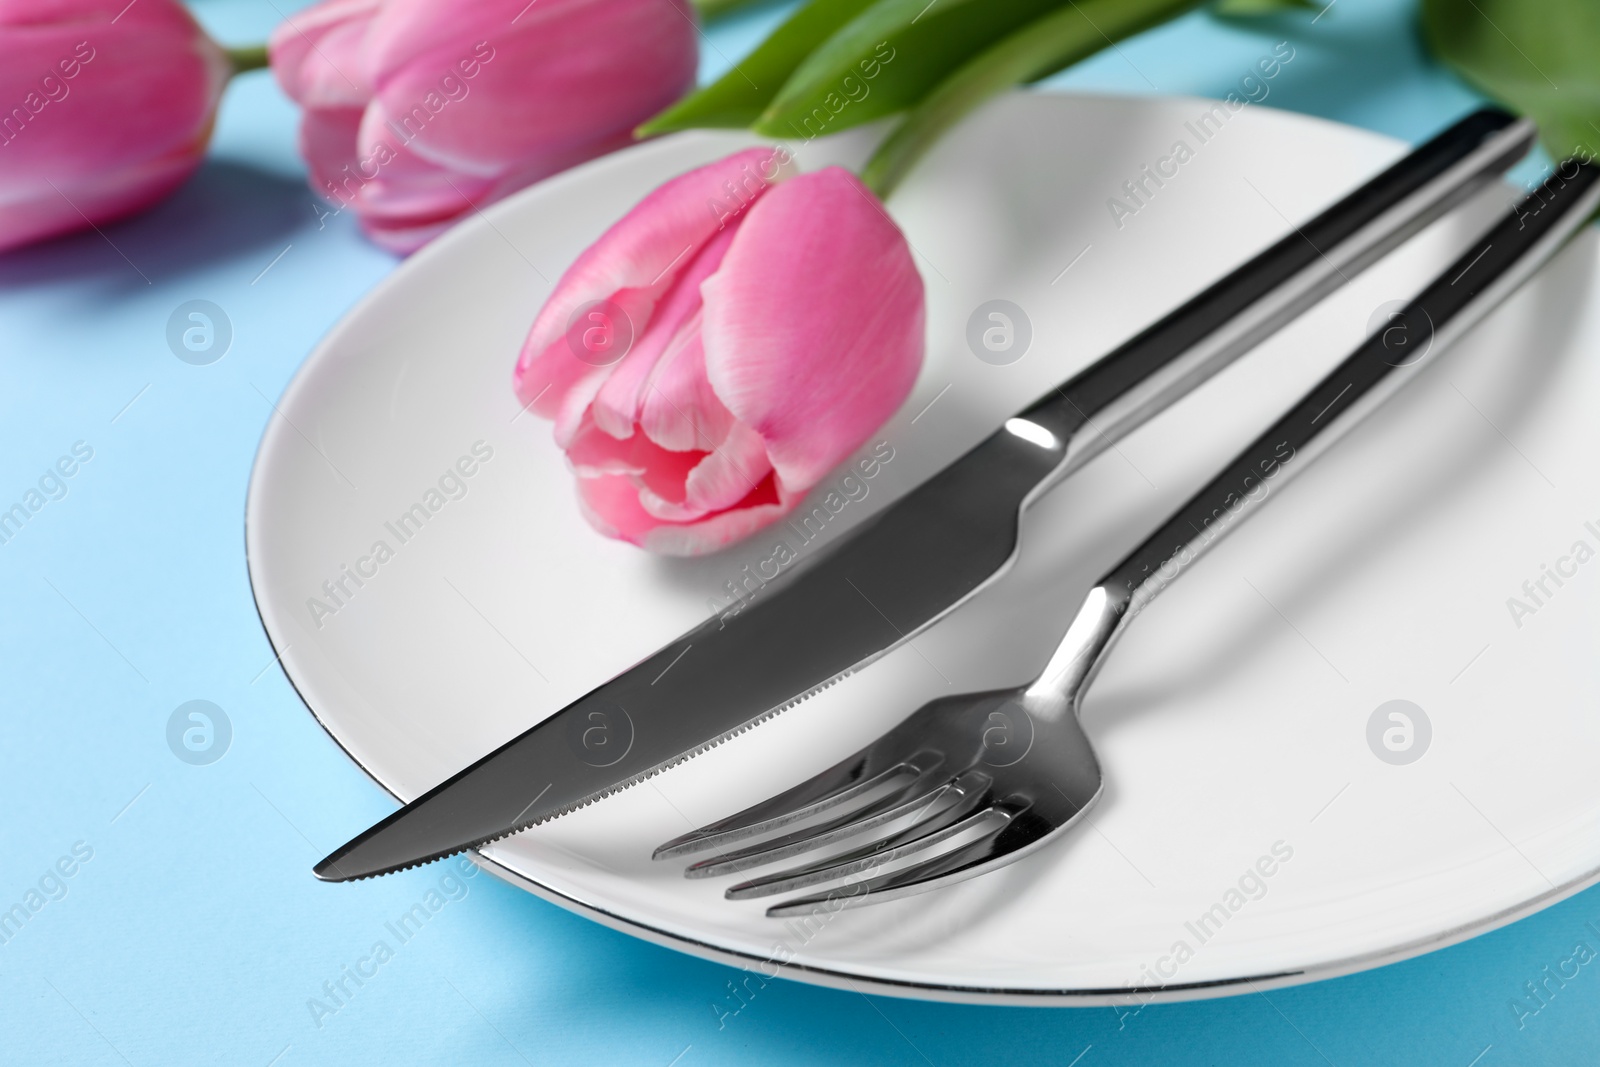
(983, 779)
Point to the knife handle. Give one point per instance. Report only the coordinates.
(1490, 270)
(1146, 374)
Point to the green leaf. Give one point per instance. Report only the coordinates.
(738, 97)
(887, 59)
(711, 10)
(1245, 9)
(1540, 57)
(1037, 49)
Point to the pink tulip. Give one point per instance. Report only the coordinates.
(723, 347)
(105, 108)
(418, 112)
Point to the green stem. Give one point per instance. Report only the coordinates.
(1036, 50)
(250, 57)
(711, 10)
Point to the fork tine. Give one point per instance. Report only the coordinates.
(851, 779)
(918, 798)
(972, 793)
(1009, 830)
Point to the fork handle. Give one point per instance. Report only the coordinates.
(1492, 268)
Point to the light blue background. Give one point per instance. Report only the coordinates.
(196, 933)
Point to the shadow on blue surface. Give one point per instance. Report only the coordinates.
(1514, 996)
(225, 212)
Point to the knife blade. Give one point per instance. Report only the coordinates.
(929, 551)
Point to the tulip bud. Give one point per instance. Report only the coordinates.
(418, 112)
(717, 352)
(105, 108)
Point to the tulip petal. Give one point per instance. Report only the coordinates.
(813, 328)
(37, 213)
(664, 473)
(493, 95)
(317, 54)
(99, 123)
(328, 145)
(611, 505)
(621, 399)
(727, 475)
(141, 90)
(593, 452)
(403, 200)
(770, 352)
(654, 470)
(709, 534)
(506, 82)
(633, 264)
(681, 411)
(573, 411)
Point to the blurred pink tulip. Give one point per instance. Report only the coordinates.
(105, 108)
(417, 112)
(723, 347)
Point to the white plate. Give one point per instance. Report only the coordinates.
(1233, 718)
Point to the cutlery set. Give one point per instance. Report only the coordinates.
(972, 782)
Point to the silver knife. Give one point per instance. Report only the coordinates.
(929, 551)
